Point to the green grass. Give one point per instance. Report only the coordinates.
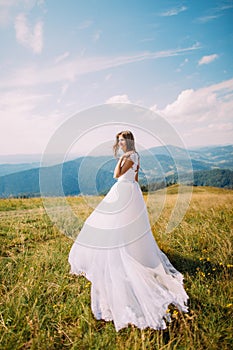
(42, 306)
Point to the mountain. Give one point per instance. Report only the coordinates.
(208, 157)
(6, 169)
(27, 183)
(212, 166)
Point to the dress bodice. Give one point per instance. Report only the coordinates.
(130, 174)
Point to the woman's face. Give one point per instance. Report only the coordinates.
(122, 143)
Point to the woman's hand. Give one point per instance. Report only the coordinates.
(123, 157)
(126, 154)
(121, 161)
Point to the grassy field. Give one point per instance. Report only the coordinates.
(42, 306)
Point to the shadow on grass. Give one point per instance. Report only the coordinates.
(191, 266)
(179, 323)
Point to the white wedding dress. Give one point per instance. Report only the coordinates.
(132, 280)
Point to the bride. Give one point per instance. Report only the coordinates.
(132, 280)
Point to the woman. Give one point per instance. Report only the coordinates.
(133, 282)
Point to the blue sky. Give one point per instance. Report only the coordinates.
(61, 57)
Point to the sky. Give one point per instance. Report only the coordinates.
(61, 57)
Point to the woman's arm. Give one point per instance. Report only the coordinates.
(117, 168)
(121, 169)
(136, 176)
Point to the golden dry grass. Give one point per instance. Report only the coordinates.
(44, 307)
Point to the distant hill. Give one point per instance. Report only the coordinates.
(212, 166)
(202, 158)
(217, 177)
(6, 169)
(222, 178)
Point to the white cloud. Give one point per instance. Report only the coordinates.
(4, 15)
(182, 64)
(29, 37)
(71, 69)
(20, 100)
(108, 76)
(173, 11)
(221, 126)
(24, 127)
(207, 59)
(85, 24)
(64, 89)
(9, 9)
(83, 51)
(62, 57)
(212, 102)
(209, 18)
(203, 115)
(118, 99)
(96, 35)
(191, 105)
(215, 12)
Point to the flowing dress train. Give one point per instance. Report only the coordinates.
(132, 280)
